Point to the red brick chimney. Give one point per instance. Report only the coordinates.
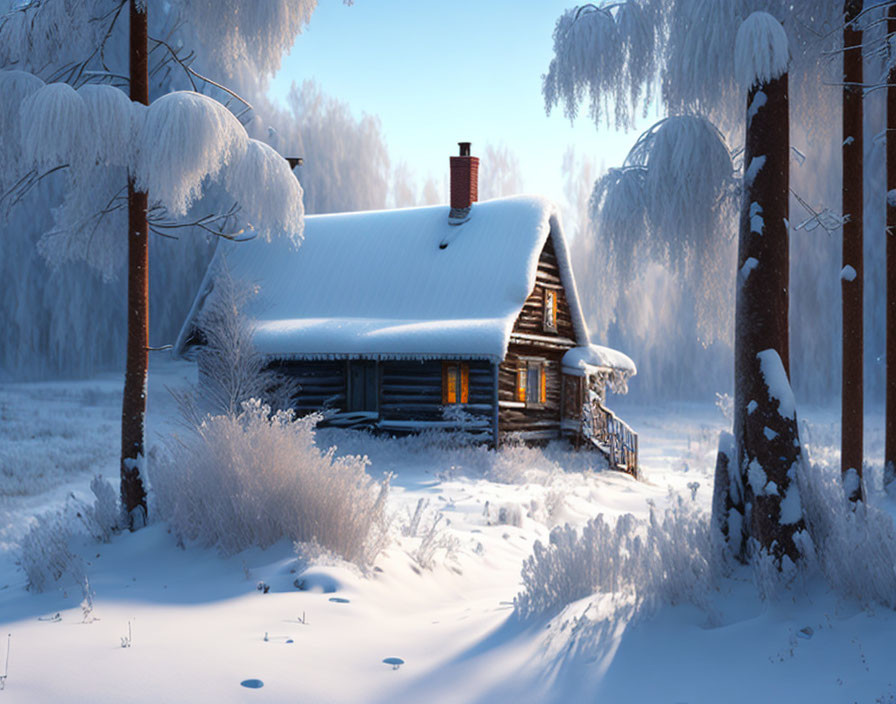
(464, 182)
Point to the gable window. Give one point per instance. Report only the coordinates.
(455, 382)
(550, 310)
(531, 382)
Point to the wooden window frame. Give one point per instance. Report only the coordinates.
(523, 371)
(462, 377)
(550, 313)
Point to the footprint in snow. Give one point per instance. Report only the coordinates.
(394, 662)
(252, 684)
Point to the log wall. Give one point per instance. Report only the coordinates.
(409, 391)
(322, 384)
(537, 421)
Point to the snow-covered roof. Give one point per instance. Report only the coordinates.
(394, 284)
(612, 366)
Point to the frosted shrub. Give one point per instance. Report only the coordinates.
(666, 560)
(855, 544)
(231, 369)
(237, 481)
(48, 552)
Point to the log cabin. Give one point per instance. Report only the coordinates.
(461, 317)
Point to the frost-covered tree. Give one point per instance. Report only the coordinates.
(608, 58)
(164, 156)
(346, 162)
(500, 173)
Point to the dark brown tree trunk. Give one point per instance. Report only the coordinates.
(133, 493)
(766, 441)
(852, 277)
(890, 450)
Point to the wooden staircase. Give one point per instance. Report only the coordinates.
(613, 437)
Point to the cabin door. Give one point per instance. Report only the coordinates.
(362, 386)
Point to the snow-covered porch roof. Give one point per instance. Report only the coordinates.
(399, 283)
(613, 366)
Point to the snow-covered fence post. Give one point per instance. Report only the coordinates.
(852, 278)
(766, 441)
(133, 410)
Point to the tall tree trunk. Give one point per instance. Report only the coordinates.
(890, 450)
(766, 441)
(133, 492)
(852, 277)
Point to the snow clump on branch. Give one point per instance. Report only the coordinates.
(186, 138)
(112, 116)
(263, 184)
(55, 127)
(761, 52)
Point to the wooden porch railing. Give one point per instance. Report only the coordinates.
(614, 436)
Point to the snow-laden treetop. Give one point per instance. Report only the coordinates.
(761, 52)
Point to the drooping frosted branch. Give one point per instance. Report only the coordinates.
(669, 204)
(266, 189)
(608, 52)
(671, 192)
(111, 116)
(186, 138)
(55, 128)
(15, 87)
(230, 30)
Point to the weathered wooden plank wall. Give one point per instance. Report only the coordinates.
(531, 318)
(542, 421)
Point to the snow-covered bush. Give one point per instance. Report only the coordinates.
(855, 543)
(46, 554)
(237, 481)
(667, 560)
(49, 552)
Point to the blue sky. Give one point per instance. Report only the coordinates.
(437, 72)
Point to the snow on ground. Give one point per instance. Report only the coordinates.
(197, 625)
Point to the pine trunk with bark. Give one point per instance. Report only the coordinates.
(133, 492)
(852, 276)
(755, 506)
(890, 444)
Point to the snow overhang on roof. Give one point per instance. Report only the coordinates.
(595, 360)
(396, 284)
